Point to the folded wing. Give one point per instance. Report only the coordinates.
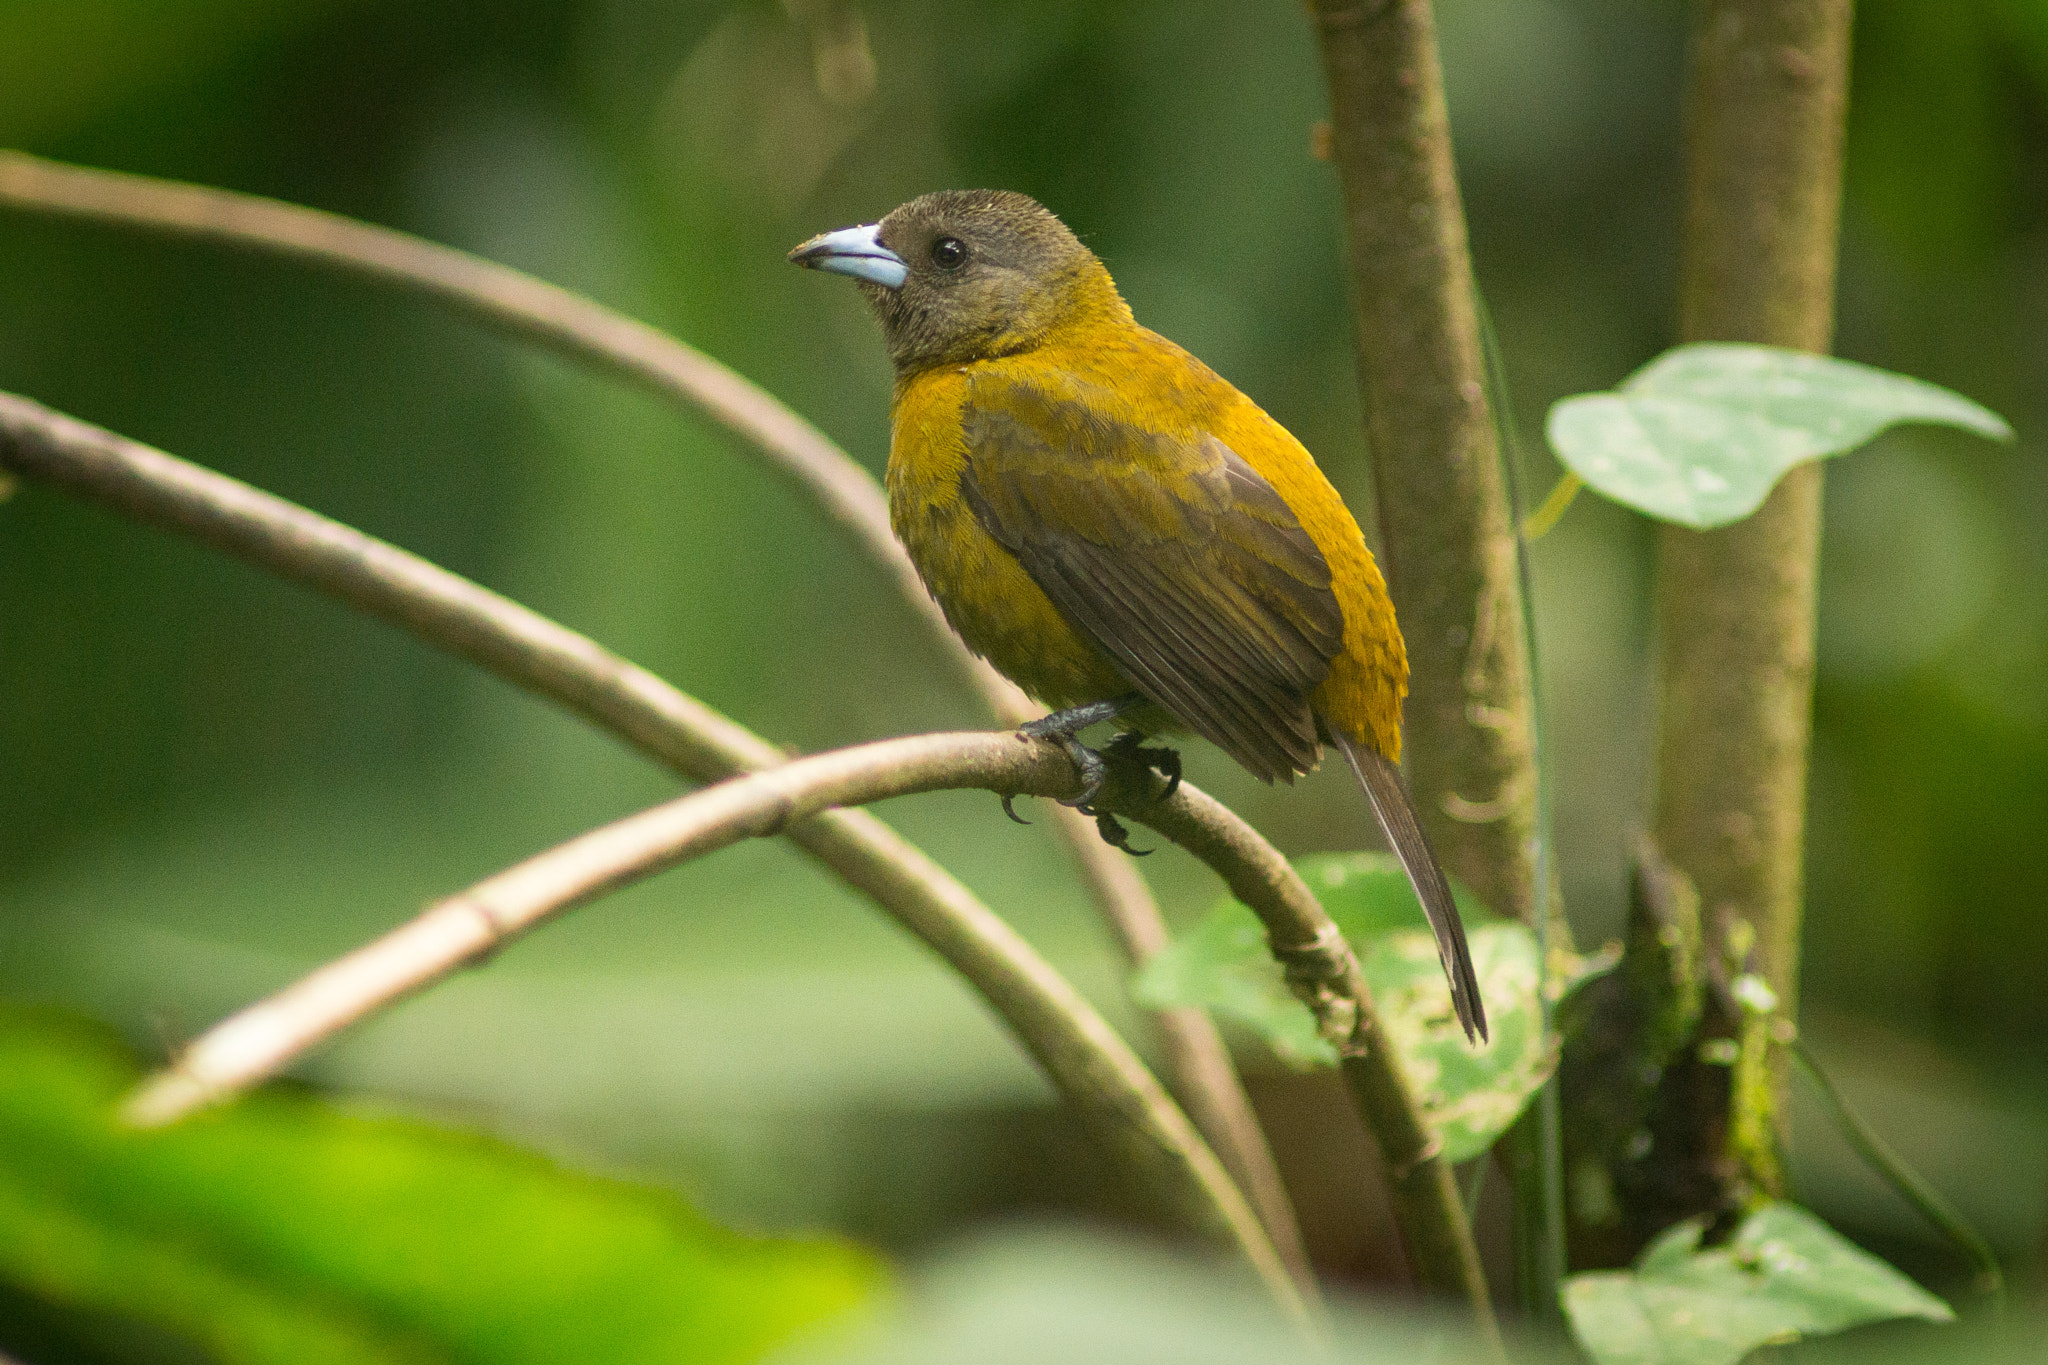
(1172, 554)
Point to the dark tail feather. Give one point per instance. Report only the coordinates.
(1382, 783)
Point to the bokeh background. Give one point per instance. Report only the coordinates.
(210, 781)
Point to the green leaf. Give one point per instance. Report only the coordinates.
(1701, 434)
(1469, 1096)
(1784, 1275)
(281, 1230)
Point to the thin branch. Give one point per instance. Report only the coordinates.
(580, 329)
(1324, 972)
(256, 1043)
(511, 302)
(1097, 1071)
(1446, 526)
(458, 616)
(1193, 1055)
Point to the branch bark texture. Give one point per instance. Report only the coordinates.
(1114, 1093)
(1446, 530)
(1764, 124)
(1444, 522)
(453, 614)
(532, 310)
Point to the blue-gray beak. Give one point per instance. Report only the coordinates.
(854, 251)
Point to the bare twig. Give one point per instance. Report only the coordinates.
(1107, 1083)
(1324, 971)
(256, 1043)
(531, 309)
(512, 302)
(525, 648)
(464, 929)
(1192, 1053)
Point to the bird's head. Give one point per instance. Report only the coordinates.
(965, 275)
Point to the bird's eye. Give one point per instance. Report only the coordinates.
(949, 253)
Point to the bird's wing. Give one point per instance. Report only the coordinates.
(1172, 554)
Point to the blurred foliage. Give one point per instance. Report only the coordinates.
(284, 1232)
(212, 781)
(1470, 1093)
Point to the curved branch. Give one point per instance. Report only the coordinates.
(1062, 1030)
(580, 329)
(521, 646)
(1323, 970)
(512, 302)
(451, 613)
(1098, 1072)
(263, 1039)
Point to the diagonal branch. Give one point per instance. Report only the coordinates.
(1113, 1092)
(1092, 1068)
(464, 929)
(532, 310)
(523, 647)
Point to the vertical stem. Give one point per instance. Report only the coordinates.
(1446, 528)
(1444, 523)
(1768, 83)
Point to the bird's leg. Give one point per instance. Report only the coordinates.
(1061, 726)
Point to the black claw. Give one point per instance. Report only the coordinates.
(1116, 836)
(1165, 762)
(1011, 811)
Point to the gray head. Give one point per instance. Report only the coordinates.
(966, 275)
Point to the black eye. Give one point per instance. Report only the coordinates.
(948, 253)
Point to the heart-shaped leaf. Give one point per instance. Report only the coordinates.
(1782, 1276)
(1701, 434)
(1469, 1095)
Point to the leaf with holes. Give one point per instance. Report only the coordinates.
(1469, 1095)
(1701, 434)
(1782, 1276)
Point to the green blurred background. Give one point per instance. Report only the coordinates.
(209, 781)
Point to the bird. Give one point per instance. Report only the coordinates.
(1122, 533)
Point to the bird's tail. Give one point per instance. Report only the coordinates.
(1396, 813)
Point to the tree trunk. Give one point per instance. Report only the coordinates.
(1768, 84)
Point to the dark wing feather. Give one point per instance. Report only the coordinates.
(1175, 557)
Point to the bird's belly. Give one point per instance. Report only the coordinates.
(999, 612)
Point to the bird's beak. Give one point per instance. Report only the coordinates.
(855, 251)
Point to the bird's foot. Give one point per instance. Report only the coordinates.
(1116, 836)
(1061, 726)
(1130, 746)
